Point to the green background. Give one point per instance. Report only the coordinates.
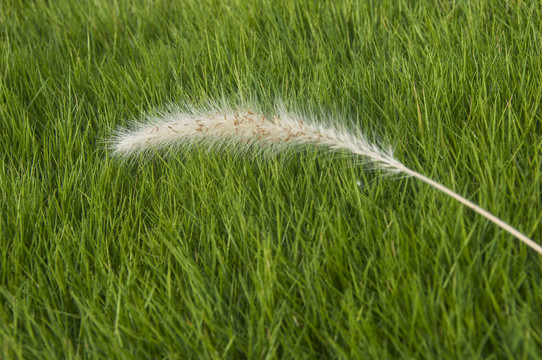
(210, 254)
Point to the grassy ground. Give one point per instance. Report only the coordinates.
(211, 255)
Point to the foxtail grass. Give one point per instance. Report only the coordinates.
(252, 131)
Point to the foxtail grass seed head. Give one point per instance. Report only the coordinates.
(245, 129)
(251, 131)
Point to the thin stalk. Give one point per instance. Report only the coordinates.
(503, 225)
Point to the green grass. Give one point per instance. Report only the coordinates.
(211, 255)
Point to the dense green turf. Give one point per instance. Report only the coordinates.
(210, 255)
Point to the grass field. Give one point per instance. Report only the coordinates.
(300, 255)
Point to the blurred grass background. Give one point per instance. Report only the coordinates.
(209, 255)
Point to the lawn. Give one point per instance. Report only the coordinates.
(307, 254)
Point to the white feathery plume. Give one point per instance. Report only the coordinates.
(247, 130)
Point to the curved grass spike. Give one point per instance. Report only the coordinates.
(246, 130)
